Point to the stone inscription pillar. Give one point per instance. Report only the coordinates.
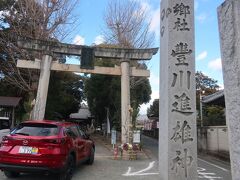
(39, 108)
(125, 100)
(229, 27)
(177, 121)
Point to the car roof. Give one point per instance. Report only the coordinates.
(52, 122)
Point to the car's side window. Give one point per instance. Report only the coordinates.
(75, 130)
(83, 135)
(69, 132)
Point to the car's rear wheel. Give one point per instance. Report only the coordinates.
(91, 157)
(11, 174)
(68, 171)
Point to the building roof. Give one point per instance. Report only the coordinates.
(9, 101)
(142, 118)
(213, 97)
(83, 113)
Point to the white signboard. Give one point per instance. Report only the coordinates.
(114, 136)
(136, 136)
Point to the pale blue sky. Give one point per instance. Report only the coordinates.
(208, 59)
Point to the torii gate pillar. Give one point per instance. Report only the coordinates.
(42, 92)
(125, 100)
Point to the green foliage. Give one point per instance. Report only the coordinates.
(204, 84)
(153, 111)
(139, 94)
(214, 116)
(104, 91)
(64, 96)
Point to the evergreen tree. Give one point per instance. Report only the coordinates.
(64, 95)
(153, 110)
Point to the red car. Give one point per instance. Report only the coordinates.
(45, 146)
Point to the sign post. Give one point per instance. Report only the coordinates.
(114, 142)
(114, 137)
(177, 121)
(136, 137)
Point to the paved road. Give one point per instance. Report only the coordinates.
(105, 168)
(208, 167)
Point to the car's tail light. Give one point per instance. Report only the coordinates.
(54, 141)
(6, 140)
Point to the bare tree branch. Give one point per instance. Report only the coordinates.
(38, 19)
(126, 26)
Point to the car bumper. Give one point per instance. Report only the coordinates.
(22, 168)
(52, 163)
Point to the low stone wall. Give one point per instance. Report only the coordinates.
(213, 140)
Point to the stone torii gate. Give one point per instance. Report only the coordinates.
(49, 48)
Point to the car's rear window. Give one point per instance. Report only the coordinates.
(28, 129)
